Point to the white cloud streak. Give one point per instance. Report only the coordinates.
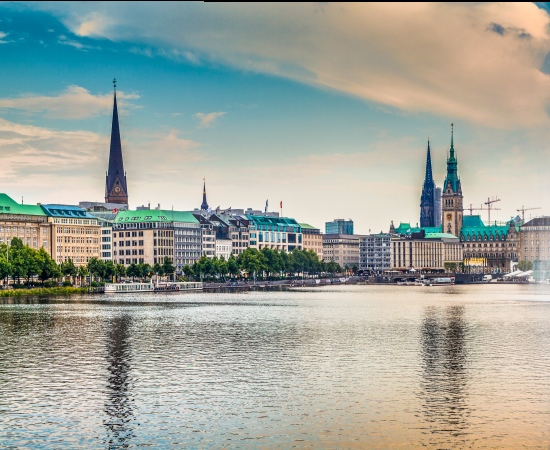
(206, 120)
(480, 62)
(75, 103)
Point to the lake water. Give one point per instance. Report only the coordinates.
(329, 367)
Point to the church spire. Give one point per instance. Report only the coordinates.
(452, 168)
(427, 199)
(116, 190)
(204, 205)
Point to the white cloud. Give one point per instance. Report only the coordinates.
(477, 61)
(206, 120)
(2, 36)
(72, 43)
(75, 103)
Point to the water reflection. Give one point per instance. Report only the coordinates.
(119, 402)
(444, 394)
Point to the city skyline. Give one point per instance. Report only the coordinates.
(314, 105)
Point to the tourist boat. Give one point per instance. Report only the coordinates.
(438, 281)
(122, 288)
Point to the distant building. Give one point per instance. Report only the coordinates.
(425, 251)
(339, 226)
(342, 249)
(105, 220)
(75, 234)
(488, 248)
(427, 200)
(437, 207)
(116, 189)
(375, 253)
(451, 196)
(312, 239)
(534, 245)
(276, 233)
(26, 222)
(148, 236)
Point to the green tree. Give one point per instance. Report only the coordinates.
(47, 266)
(133, 271)
(167, 266)
(96, 267)
(525, 265)
(120, 271)
(110, 270)
(250, 261)
(68, 268)
(187, 271)
(232, 266)
(82, 273)
(157, 268)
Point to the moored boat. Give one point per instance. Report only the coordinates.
(121, 288)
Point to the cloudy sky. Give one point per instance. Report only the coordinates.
(325, 107)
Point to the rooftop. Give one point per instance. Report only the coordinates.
(155, 215)
(10, 206)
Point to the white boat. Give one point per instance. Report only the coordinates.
(438, 281)
(122, 288)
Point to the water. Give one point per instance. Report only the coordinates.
(329, 367)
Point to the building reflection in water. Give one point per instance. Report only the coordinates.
(444, 384)
(119, 418)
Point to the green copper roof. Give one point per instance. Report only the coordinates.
(155, 215)
(10, 206)
(452, 168)
(405, 228)
(440, 236)
(489, 233)
(308, 227)
(472, 221)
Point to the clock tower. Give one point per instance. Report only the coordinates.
(116, 190)
(451, 195)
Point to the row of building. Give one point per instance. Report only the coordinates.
(110, 231)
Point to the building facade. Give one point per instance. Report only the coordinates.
(534, 246)
(342, 249)
(375, 253)
(276, 233)
(488, 248)
(148, 236)
(339, 226)
(425, 251)
(75, 234)
(312, 239)
(451, 195)
(26, 222)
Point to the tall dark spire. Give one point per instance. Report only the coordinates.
(204, 205)
(116, 190)
(427, 204)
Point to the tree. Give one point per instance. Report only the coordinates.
(82, 273)
(232, 266)
(120, 271)
(167, 266)
(525, 265)
(68, 268)
(47, 266)
(96, 267)
(187, 271)
(110, 270)
(157, 268)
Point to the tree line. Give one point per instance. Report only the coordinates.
(20, 262)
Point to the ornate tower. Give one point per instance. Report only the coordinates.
(451, 196)
(204, 205)
(116, 190)
(427, 200)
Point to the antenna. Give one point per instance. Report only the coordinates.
(489, 202)
(523, 209)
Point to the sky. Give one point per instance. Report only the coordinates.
(325, 107)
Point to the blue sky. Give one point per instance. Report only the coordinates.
(326, 107)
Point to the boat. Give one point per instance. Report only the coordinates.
(123, 288)
(438, 281)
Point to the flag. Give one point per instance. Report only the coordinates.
(266, 203)
(281, 203)
(114, 210)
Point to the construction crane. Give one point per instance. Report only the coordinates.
(471, 208)
(523, 209)
(489, 202)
